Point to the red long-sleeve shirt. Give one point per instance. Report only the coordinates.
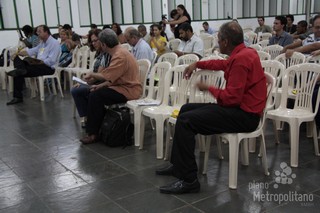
(245, 80)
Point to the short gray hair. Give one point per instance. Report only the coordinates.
(109, 38)
(132, 32)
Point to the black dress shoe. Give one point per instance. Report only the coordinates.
(181, 187)
(15, 101)
(165, 171)
(17, 72)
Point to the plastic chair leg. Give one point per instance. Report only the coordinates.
(233, 161)
(294, 138)
(252, 145)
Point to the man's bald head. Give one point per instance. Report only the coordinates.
(233, 32)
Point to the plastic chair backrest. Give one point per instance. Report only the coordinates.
(157, 76)
(169, 57)
(265, 36)
(83, 55)
(187, 59)
(263, 55)
(274, 68)
(263, 43)
(207, 41)
(175, 82)
(92, 55)
(144, 67)
(256, 47)
(296, 58)
(174, 44)
(305, 77)
(252, 37)
(74, 60)
(273, 50)
(313, 59)
(209, 77)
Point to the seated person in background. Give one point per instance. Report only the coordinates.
(117, 29)
(208, 29)
(120, 83)
(262, 27)
(57, 35)
(290, 27)
(141, 49)
(238, 109)
(143, 31)
(31, 39)
(280, 37)
(190, 43)
(313, 38)
(80, 92)
(67, 46)
(302, 30)
(75, 36)
(158, 42)
(47, 52)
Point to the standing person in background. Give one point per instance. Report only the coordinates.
(208, 29)
(183, 17)
(290, 27)
(280, 37)
(262, 27)
(174, 16)
(31, 39)
(117, 29)
(158, 42)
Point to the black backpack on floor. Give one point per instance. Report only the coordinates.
(117, 129)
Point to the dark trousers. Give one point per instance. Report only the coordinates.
(96, 110)
(32, 71)
(81, 97)
(205, 119)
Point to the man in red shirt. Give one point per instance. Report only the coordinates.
(238, 107)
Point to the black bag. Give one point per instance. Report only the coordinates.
(117, 129)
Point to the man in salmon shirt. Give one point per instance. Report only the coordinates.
(238, 108)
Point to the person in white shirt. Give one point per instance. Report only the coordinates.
(190, 43)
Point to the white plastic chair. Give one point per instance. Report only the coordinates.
(207, 41)
(306, 76)
(55, 75)
(263, 43)
(158, 71)
(264, 55)
(126, 46)
(273, 50)
(187, 59)
(236, 138)
(144, 67)
(209, 77)
(256, 47)
(81, 63)
(5, 68)
(296, 58)
(170, 102)
(265, 36)
(252, 37)
(170, 57)
(174, 44)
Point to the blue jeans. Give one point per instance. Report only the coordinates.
(81, 98)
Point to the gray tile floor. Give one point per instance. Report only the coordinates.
(44, 168)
